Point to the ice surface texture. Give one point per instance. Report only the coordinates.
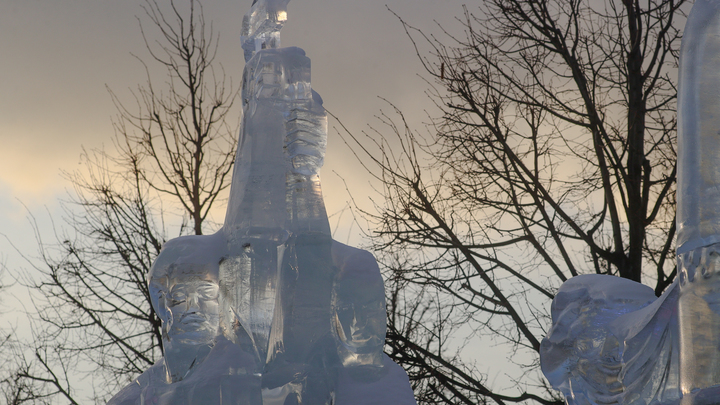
(270, 310)
(611, 341)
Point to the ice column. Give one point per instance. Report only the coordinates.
(279, 265)
(698, 209)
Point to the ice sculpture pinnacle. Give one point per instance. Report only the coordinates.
(262, 24)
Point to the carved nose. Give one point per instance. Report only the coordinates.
(192, 302)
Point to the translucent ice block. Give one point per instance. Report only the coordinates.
(698, 209)
(612, 342)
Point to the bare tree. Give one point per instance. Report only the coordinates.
(174, 151)
(36, 376)
(553, 156)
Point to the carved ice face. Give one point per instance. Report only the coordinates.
(192, 304)
(360, 318)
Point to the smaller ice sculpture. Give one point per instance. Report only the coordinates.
(611, 341)
(270, 310)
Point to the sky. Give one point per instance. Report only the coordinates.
(58, 58)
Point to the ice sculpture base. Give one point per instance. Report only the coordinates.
(699, 318)
(705, 396)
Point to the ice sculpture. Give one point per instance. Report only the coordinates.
(611, 341)
(270, 310)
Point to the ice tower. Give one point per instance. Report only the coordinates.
(271, 310)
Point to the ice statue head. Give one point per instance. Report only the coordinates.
(192, 303)
(188, 305)
(359, 315)
(185, 293)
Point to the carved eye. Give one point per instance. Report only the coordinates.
(178, 296)
(208, 291)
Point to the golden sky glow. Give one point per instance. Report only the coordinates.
(59, 56)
